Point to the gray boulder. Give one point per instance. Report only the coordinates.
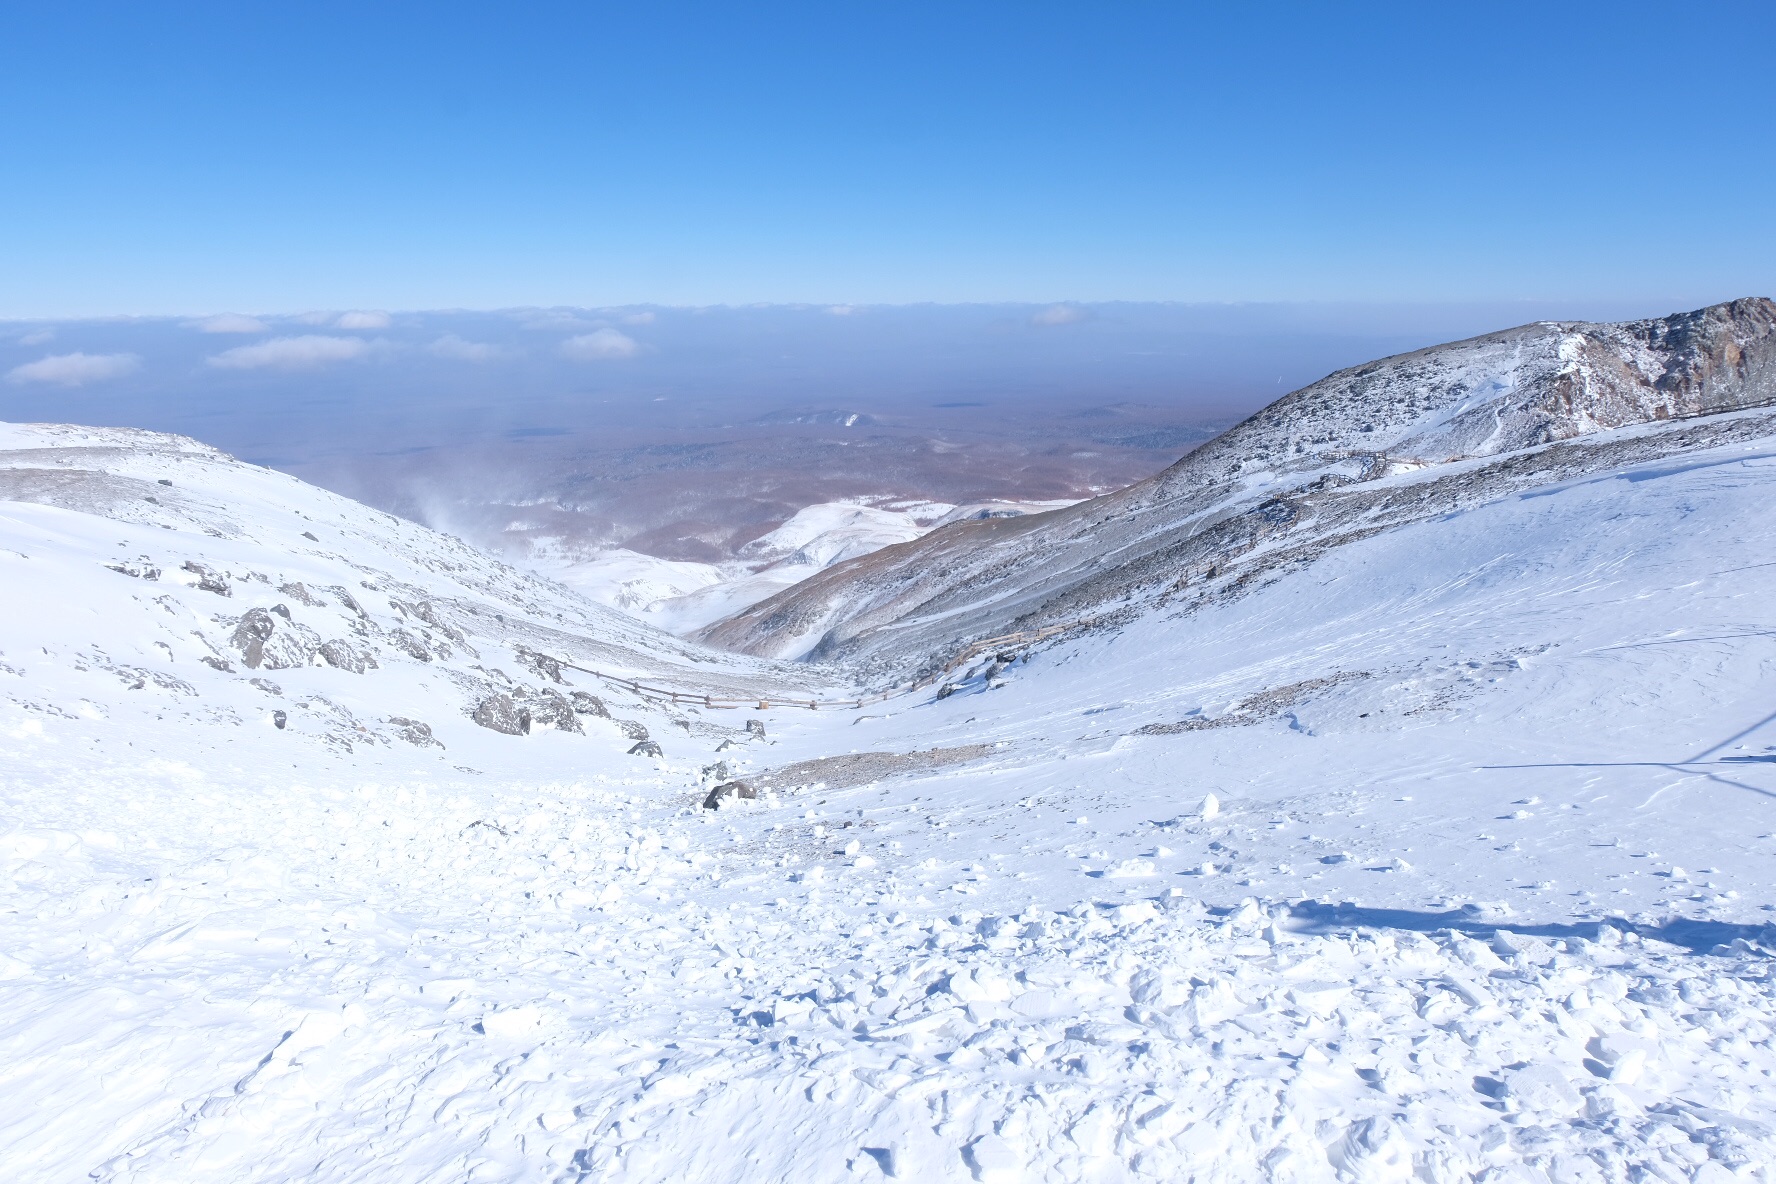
(267, 643)
(647, 748)
(728, 792)
(756, 727)
(633, 729)
(207, 580)
(501, 714)
(415, 733)
(343, 655)
(541, 665)
(552, 709)
(589, 705)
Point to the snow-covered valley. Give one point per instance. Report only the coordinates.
(1438, 851)
(681, 596)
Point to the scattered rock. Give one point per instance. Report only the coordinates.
(859, 768)
(728, 791)
(426, 611)
(948, 689)
(633, 729)
(282, 610)
(415, 733)
(310, 537)
(591, 705)
(266, 685)
(223, 665)
(143, 572)
(346, 599)
(501, 714)
(165, 482)
(301, 595)
(279, 719)
(262, 642)
(412, 646)
(541, 665)
(207, 580)
(343, 655)
(553, 709)
(719, 771)
(647, 748)
(756, 727)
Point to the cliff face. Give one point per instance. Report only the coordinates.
(1424, 413)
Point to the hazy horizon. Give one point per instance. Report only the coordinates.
(685, 432)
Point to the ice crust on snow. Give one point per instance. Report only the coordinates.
(1463, 872)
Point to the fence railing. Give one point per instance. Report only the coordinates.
(768, 702)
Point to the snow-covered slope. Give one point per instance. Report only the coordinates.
(150, 578)
(1440, 854)
(1297, 476)
(682, 597)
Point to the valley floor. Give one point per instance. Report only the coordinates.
(1446, 857)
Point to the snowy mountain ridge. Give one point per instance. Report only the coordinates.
(1437, 851)
(1288, 479)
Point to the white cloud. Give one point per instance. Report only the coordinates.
(320, 317)
(600, 344)
(558, 319)
(231, 322)
(452, 346)
(362, 320)
(74, 369)
(37, 338)
(841, 310)
(292, 353)
(638, 318)
(1060, 314)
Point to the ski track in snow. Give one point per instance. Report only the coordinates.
(1445, 857)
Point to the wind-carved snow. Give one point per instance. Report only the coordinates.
(1440, 853)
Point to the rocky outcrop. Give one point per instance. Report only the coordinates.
(269, 640)
(415, 733)
(501, 714)
(591, 705)
(1270, 482)
(343, 655)
(551, 709)
(541, 665)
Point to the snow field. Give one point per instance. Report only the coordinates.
(555, 985)
(1443, 857)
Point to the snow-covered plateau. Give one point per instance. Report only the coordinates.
(1430, 843)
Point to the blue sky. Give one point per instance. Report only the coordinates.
(189, 158)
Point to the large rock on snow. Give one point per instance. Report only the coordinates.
(269, 640)
(591, 705)
(501, 714)
(343, 655)
(415, 733)
(551, 709)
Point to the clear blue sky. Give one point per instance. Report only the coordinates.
(194, 157)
